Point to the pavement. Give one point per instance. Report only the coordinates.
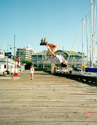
(8, 77)
(47, 100)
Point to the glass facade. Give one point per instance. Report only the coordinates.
(36, 58)
(37, 61)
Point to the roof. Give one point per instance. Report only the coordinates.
(63, 52)
(69, 53)
(44, 52)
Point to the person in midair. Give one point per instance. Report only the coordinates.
(54, 58)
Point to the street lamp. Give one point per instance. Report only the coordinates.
(7, 57)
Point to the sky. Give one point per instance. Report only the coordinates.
(60, 21)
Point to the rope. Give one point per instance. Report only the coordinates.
(75, 41)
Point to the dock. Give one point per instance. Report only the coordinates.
(47, 100)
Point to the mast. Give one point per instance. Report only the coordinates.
(87, 39)
(82, 41)
(92, 33)
(94, 24)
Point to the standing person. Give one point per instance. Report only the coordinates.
(12, 71)
(31, 71)
(16, 71)
(54, 58)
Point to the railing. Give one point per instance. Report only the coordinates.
(83, 78)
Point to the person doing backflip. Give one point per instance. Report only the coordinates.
(54, 58)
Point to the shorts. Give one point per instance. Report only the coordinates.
(15, 74)
(32, 72)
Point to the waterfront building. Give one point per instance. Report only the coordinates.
(24, 53)
(5, 62)
(74, 58)
(38, 60)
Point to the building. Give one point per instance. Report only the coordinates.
(74, 58)
(24, 53)
(38, 60)
(5, 62)
(2, 53)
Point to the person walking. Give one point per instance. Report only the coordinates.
(31, 72)
(12, 71)
(16, 72)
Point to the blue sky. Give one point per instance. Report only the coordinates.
(31, 20)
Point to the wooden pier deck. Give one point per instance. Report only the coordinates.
(47, 100)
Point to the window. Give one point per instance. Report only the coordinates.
(39, 57)
(4, 66)
(34, 58)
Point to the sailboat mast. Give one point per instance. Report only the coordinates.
(87, 39)
(92, 33)
(82, 41)
(94, 24)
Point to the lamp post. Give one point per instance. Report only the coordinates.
(7, 58)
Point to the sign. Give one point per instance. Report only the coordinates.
(9, 55)
(17, 59)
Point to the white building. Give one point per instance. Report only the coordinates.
(5, 63)
(2, 53)
(24, 53)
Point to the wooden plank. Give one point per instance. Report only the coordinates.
(47, 100)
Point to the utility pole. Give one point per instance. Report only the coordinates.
(14, 47)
